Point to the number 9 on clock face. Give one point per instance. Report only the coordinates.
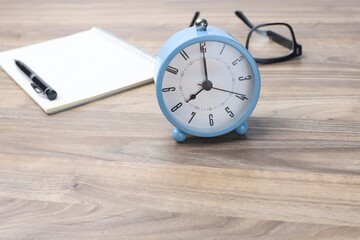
(207, 87)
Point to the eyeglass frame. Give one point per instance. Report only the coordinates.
(296, 49)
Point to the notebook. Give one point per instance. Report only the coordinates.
(81, 68)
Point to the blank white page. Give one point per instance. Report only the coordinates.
(81, 68)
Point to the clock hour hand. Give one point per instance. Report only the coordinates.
(206, 85)
(193, 96)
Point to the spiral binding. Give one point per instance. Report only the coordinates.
(118, 41)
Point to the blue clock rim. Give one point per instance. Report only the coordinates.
(206, 38)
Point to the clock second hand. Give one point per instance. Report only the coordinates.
(223, 90)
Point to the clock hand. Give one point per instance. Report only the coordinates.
(206, 85)
(226, 91)
(219, 89)
(203, 49)
(193, 96)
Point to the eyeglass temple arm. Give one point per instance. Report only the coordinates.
(243, 18)
(279, 39)
(196, 16)
(284, 42)
(272, 35)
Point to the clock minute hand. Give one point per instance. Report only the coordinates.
(203, 50)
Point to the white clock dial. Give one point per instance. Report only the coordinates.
(208, 86)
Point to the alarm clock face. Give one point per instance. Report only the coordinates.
(207, 88)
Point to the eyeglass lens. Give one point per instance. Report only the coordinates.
(271, 41)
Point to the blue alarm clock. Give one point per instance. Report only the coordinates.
(207, 83)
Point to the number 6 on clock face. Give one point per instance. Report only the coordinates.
(207, 86)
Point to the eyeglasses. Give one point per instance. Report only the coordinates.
(269, 42)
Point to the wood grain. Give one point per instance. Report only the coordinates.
(109, 169)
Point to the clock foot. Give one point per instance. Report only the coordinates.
(178, 135)
(242, 129)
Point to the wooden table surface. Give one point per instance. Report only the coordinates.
(110, 170)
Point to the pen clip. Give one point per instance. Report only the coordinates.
(37, 89)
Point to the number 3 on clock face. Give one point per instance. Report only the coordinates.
(207, 83)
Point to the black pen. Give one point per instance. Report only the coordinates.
(39, 85)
